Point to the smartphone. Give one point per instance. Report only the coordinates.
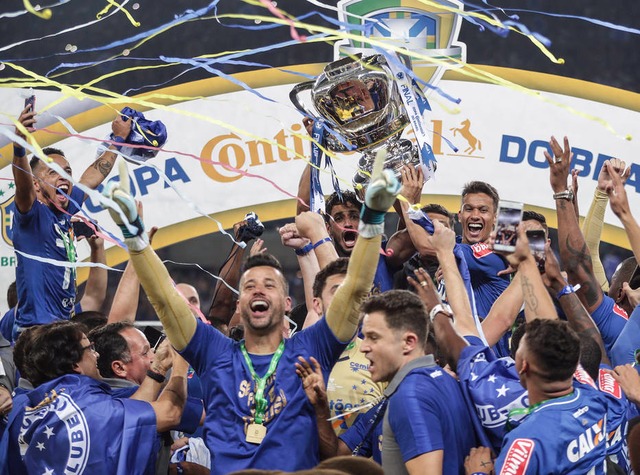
(31, 101)
(509, 217)
(80, 228)
(537, 241)
(154, 336)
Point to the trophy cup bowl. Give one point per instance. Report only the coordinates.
(359, 99)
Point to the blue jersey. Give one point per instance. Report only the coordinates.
(493, 388)
(73, 424)
(366, 434)
(427, 413)
(46, 292)
(291, 441)
(610, 319)
(624, 349)
(484, 265)
(576, 446)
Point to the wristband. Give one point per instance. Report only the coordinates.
(120, 140)
(303, 251)
(371, 216)
(564, 195)
(157, 377)
(568, 289)
(19, 151)
(440, 308)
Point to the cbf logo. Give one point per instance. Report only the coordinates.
(54, 436)
(430, 31)
(7, 208)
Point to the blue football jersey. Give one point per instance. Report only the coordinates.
(565, 435)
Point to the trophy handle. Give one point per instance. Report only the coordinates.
(293, 96)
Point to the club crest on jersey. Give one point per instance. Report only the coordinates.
(7, 208)
(480, 249)
(518, 457)
(57, 431)
(430, 31)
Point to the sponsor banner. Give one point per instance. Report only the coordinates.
(500, 133)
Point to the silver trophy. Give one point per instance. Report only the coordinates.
(359, 99)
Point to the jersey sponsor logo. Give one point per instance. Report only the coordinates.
(608, 384)
(480, 250)
(583, 377)
(587, 441)
(518, 457)
(618, 310)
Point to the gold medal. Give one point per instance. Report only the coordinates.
(256, 433)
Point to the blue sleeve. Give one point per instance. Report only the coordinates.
(357, 433)
(77, 198)
(206, 345)
(320, 342)
(611, 320)
(415, 423)
(519, 455)
(191, 415)
(624, 349)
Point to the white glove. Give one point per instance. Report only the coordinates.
(132, 225)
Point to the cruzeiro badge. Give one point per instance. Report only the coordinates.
(426, 29)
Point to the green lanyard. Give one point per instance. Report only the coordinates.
(525, 411)
(261, 401)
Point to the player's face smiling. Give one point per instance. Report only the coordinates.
(382, 346)
(477, 217)
(49, 184)
(262, 300)
(343, 227)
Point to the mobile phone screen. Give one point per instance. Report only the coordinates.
(509, 217)
(537, 241)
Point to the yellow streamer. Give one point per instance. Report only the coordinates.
(113, 3)
(45, 14)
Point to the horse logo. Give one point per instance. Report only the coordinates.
(465, 131)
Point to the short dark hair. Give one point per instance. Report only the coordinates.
(555, 348)
(528, 215)
(91, 319)
(22, 352)
(111, 346)
(348, 196)
(402, 309)
(12, 294)
(627, 271)
(590, 355)
(516, 338)
(438, 209)
(337, 267)
(265, 260)
(482, 187)
(56, 349)
(35, 160)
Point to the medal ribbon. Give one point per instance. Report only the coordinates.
(261, 401)
(316, 199)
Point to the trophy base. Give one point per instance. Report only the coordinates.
(399, 153)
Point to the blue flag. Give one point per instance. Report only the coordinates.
(74, 425)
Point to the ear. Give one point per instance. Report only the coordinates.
(36, 184)
(77, 369)
(287, 304)
(410, 342)
(524, 368)
(317, 306)
(118, 369)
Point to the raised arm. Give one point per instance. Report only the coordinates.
(593, 221)
(95, 291)
(169, 406)
(577, 316)
(620, 206)
(420, 238)
(100, 169)
(172, 309)
(503, 312)
(311, 226)
(574, 253)
(344, 311)
(304, 185)
(25, 191)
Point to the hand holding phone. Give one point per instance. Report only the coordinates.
(509, 217)
(537, 241)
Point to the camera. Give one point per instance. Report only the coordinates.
(251, 229)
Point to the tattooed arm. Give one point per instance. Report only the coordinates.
(100, 169)
(574, 252)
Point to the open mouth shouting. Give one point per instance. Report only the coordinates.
(349, 237)
(474, 232)
(62, 192)
(259, 307)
